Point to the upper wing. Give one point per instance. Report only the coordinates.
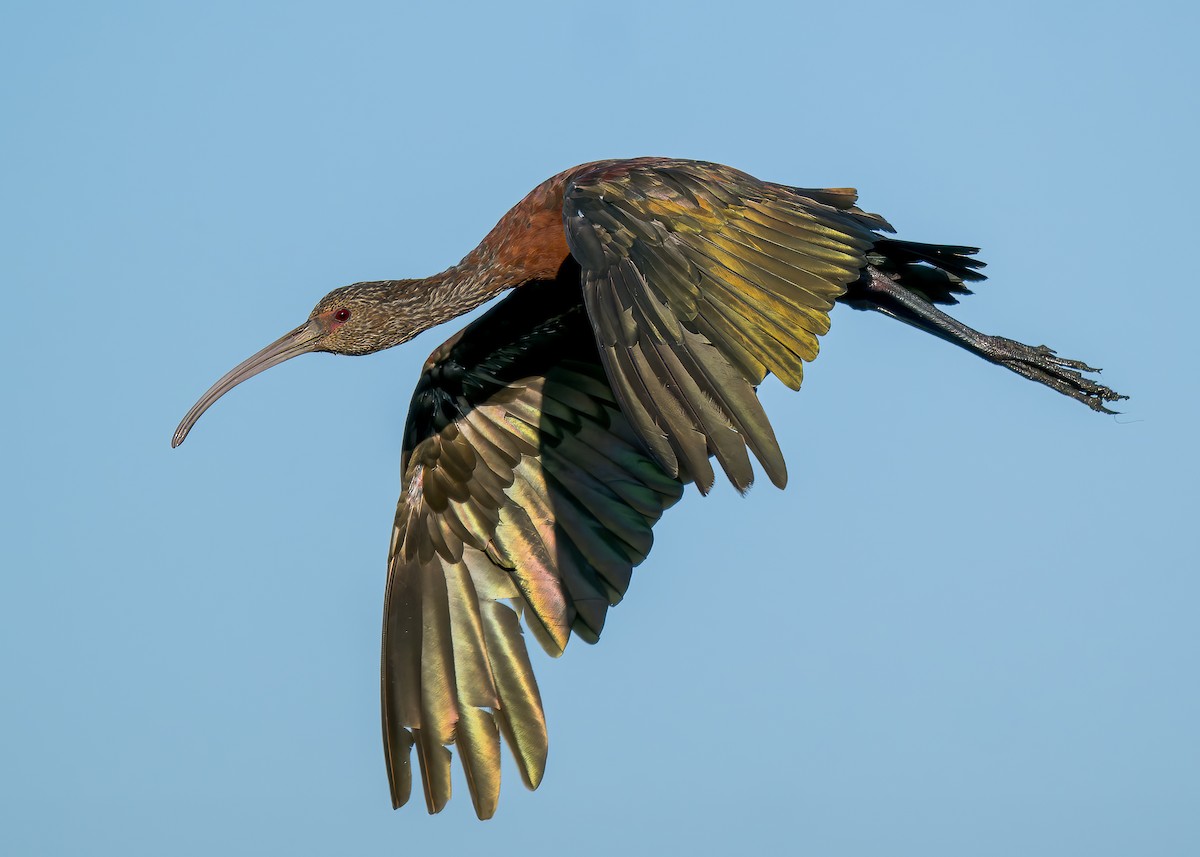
(700, 279)
(522, 483)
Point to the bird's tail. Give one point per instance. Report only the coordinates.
(936, 272)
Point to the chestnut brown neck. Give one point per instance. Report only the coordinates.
(527, 244)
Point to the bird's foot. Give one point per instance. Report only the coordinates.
(1042, 364)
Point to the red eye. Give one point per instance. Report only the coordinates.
(342, 315)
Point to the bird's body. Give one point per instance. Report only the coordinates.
(650, 298)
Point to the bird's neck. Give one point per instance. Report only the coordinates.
(413, 306)
(470, 283)
(527, 244)
(465, 286)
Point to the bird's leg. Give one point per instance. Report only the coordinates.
(877, 291)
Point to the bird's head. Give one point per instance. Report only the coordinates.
(367, 317)
(357, 319)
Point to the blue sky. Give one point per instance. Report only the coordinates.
(969, 626)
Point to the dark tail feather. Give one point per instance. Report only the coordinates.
(934, 271)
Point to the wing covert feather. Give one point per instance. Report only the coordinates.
(699, 280)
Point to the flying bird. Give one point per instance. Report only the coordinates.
(648, 299)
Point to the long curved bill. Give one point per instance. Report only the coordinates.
(302, 340)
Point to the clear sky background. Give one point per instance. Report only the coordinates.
(968, 627)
